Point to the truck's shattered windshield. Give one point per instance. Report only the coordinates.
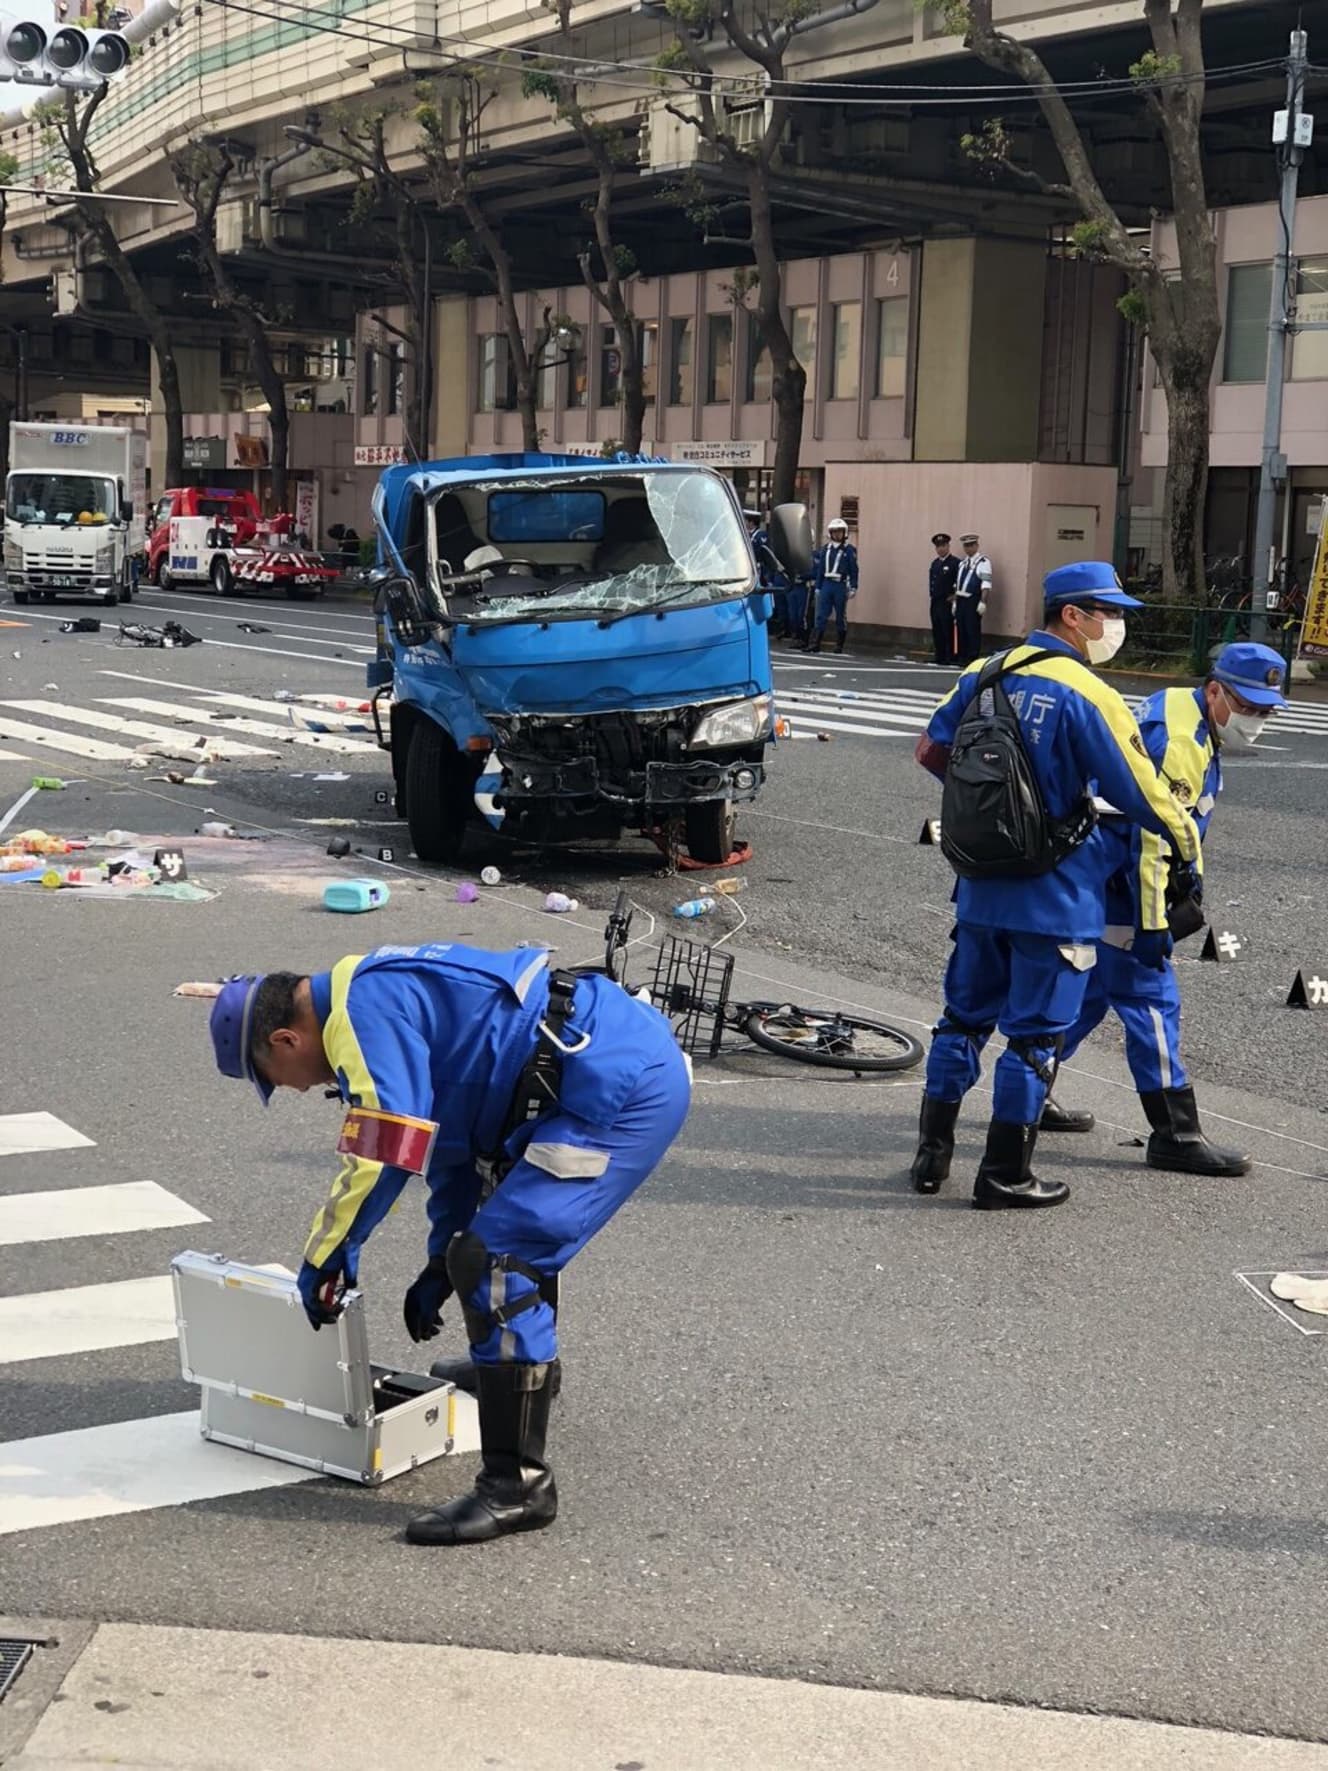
(545, 547)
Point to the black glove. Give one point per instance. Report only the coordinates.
(321, 1287)
(423, 1308)
(1152, 947)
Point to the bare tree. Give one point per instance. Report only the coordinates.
(449, 121)
(606, 265)
(200, 175)
(71, 117)
(1179, 309)
(753, 163)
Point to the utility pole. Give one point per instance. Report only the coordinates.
(1293, 132)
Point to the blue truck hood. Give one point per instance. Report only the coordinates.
(677, 657)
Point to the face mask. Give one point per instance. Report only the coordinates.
(1243, 729)
(1113, 638)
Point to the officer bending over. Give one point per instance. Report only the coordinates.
(533, 1105)
(1183, 731)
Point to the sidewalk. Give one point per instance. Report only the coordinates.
(194, 1700)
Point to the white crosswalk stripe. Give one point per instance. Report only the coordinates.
(170, 738)
(286, 734)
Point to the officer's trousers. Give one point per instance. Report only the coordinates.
(969, 625)
(942, 630)
(569, 1181)
(832, 599)
(1148, 1003)
(1031, 987)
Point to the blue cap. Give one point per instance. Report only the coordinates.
(1087, 581)
(232, 1018)
(1255, 672)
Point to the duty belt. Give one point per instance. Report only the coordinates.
(539, 1085)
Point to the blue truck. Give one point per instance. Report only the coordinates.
(573, 648)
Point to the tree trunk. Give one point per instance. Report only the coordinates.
(788, 377)
(1185, 386)
(172, 401)
(634, 393)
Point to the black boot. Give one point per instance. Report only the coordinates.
(1177, 1141)
(839, 647)
(1057, 1118)
(1005, 1179)
(815, 645)
(515, 1490)
(936, 1129)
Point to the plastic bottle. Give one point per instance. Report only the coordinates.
(694, 907)
(559, 903)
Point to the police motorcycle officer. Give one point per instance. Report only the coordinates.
(1032, 727)
(533, 1105)
(835, 575)
(774, 578)
(1152, 902)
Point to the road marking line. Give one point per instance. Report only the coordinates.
(91, 1211)
(27, 1134)
(13, 756)
(358, 721)
(86, 1318)
(803, 728)
(71, 742)
(172, 737)
(792, 709)
(273, 651)
(126, 1467)
(288, 734)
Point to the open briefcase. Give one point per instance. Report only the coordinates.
(272, 1386)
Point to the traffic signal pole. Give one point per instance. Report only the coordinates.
(1292, 134)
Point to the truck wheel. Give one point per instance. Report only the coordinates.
(438, 796)
(223, 580)
(127, 586)
(711, 827)
(20, 597)
(111, 598)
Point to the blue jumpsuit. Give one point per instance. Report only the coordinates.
(1176, 733)
(775, 579)
(441, 1034)
(835, 573)
(1024, 948)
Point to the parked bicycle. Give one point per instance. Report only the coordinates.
(692, 985)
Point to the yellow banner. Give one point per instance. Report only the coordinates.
(1314, 634)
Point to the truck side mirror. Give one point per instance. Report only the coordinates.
(400, 600)
(790, 539)
(126, 512)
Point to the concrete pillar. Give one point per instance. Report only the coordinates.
(979, 361)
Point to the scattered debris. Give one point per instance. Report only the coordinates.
(490, 876)
(336, 775)
(214, 827)
(694, 907)
(84, 624)
(49, 783)
(51, 688)
(251, 627)
(339, 847)
(466, 893)
(353, 895)
(283, 695)
(168, 635)
(559, 903)
(729, 886)
(1306, 1292)
(203, 990)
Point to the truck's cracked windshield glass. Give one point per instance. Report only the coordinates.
(545, 547)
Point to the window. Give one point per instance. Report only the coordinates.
(610, 366)
(848, 350)
(396, 383)
(1245, 350)
(802, 331)
(649, 360)
(681, 368)
(757, 374)
(891, 347)
(719, 358)
(1309, 351)
(495, 391)
(369, 382)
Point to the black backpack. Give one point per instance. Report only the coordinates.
(994, 820)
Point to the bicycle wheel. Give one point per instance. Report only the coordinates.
(830, 1038)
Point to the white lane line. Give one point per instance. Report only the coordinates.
(258, 609)
(70, 742)
(358, 721)
(13, 756)
(173, 737)
(108, 639)
(28, 1134)
(91, 1211)
(286, 734)
(280, 630)
(86, 1318)
(803, 727)
(914, 722)
(127, 1467)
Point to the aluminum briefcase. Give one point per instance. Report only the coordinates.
(273, 1387)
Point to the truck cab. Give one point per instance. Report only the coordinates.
(573, 648)
(75, 502)
(235, 510)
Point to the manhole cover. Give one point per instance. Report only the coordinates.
(15, 1653)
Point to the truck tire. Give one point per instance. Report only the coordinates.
(438, 795)
(223, 579)
(127, 584)
(111, 598)
(711, 828)
(20, 597)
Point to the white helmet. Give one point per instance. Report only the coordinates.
(836, 523)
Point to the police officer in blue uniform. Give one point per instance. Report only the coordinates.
(1024, 947)
(1184, 731)
(534, 1106)
(942, 583)
(835, 573)
(775, 579)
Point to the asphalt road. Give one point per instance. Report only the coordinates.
(812, 1424)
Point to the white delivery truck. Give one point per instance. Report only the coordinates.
(75, 504)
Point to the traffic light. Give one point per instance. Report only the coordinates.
(33, 54)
